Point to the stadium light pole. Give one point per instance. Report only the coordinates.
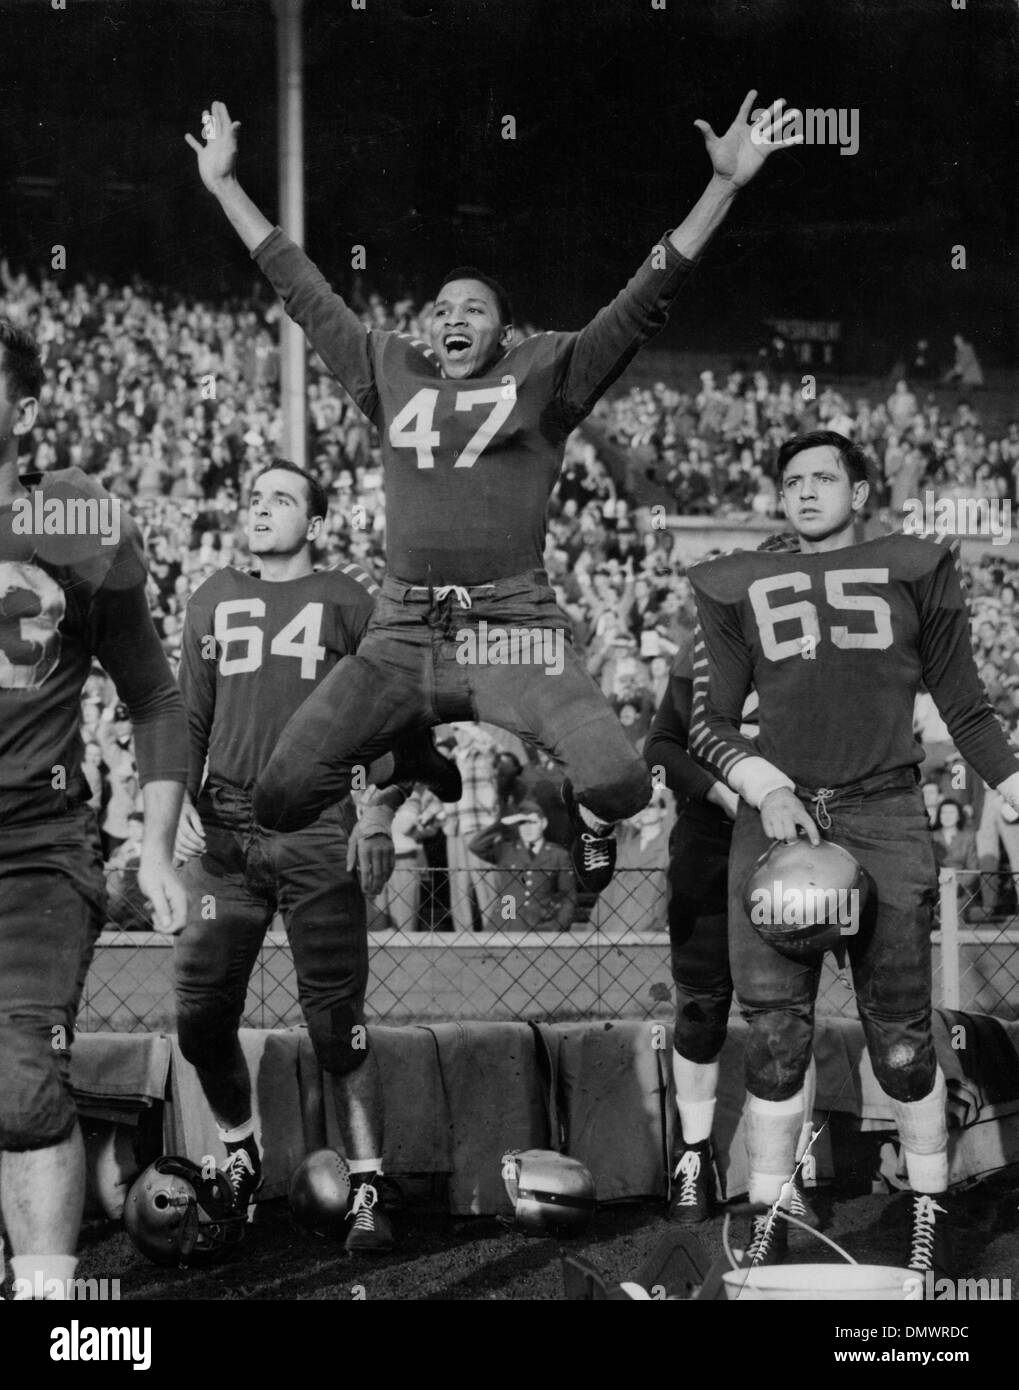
(290, 84)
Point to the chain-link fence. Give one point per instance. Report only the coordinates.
(435, 955)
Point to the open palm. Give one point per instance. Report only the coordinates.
(739, 154)
(218, 156)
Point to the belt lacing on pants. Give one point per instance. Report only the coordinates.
(820, 799)
(445, 595)
(463, 596)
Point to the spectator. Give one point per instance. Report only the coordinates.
(966, 369)
(535, 889)
(127, 906)
(419, 818)
(637, 897)
(955, 847)
(470, 877)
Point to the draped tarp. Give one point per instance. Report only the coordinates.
(459, 1095)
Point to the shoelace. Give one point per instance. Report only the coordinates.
(761, 1237)
(688, 1170)
(921, 1255)
(596, 855)
(361, 1209)
(237, 1167)
(797, 1204)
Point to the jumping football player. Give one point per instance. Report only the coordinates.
(254, 645)
(473, 431)
(836, 640)
(71, 591)
(699, 945)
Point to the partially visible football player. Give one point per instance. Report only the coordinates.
(255, 644)
(71, 588)
(699, 945)
(473, 430)
(836, 640)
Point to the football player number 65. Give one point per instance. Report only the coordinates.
(412, 428)
(770, 614)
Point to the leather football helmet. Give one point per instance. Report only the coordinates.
(176, 1216)
(805, 899)
(110, 1167)
(320, 1192)
(551, 1193)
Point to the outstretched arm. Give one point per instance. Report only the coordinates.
(736, 157)
(597, 355)
(332, 329)
(217, 164)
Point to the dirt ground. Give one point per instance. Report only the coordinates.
(443, 1258)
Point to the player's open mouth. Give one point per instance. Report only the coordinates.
(456, 345)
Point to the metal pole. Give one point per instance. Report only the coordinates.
(293, 391)
(951, 987)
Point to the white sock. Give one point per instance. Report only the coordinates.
(42, 1276)
(695, 1120)
(927, 1172)
(923, 1132)
(766, 1188)
(696, 1085)
(237, 1136)
(364, 1165)
(772, 1129)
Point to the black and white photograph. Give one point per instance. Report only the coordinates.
(550, 839)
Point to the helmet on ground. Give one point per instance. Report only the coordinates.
(551, 1193)
(805, 899)
(176, 1216)
(320, 1192)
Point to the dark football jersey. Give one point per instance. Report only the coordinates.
(667, 745)
(837, 645)
(64, 599)
(469, 465)
(253, 651)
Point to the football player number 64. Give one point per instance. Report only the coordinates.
(770, 614)
(241, 645)
(412, 428)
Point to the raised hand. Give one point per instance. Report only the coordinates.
(217, 158)
(739, 154)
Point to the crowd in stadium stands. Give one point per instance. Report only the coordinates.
(173, 405)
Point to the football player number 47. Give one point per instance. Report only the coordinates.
(242, 645)
(769, 614)
(412, 428)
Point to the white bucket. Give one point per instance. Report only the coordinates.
(824, 1282)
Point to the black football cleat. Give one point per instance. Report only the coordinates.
(593, 855)
(930, 1244)
(693, 1180)
(416, 758)
(370, 1232)
(799, 1207)
(243, 1173)
(769, 1241)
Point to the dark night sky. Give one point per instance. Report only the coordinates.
(402, 130)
